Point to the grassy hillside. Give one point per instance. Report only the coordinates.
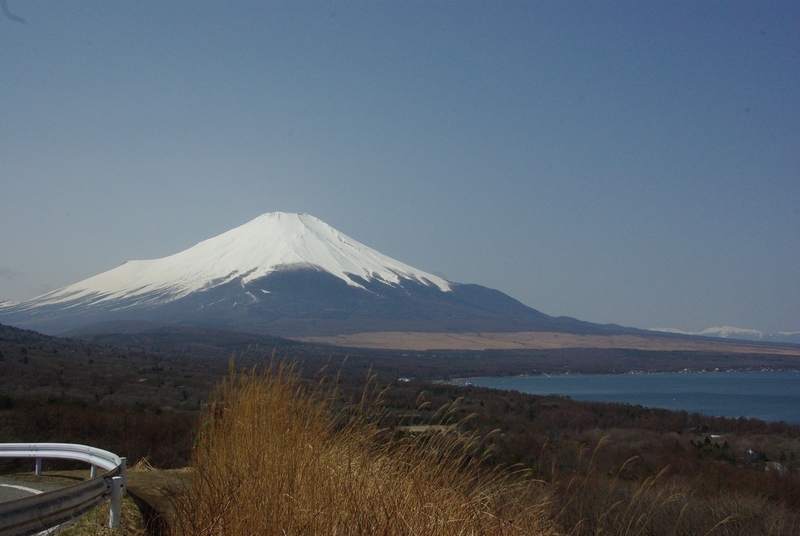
(275, 457)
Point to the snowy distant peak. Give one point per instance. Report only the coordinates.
(271, 242)
(723, 332)
(730, 332)
(734, 333)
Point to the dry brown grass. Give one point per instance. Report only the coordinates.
(541, 340)
(591, 503)
(274, 458)
(95, 522)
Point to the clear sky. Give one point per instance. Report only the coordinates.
(617, 161)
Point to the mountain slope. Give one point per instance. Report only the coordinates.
(283, 274)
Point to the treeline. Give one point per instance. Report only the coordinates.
(163, 437)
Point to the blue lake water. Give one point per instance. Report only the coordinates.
(769, 396)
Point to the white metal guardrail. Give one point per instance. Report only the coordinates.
(43, 511)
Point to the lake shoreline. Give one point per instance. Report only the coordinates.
(771, 396)
(629, 373)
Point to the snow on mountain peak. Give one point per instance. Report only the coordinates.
(268, 243)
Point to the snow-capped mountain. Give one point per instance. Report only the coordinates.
(285, 274)
(730, 332)
(269, 243)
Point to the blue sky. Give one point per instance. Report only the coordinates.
(627, 162)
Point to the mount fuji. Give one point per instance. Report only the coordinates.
(281, 274)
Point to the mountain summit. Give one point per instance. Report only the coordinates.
(272, 242)
(284, 274)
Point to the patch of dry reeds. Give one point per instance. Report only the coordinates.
(589, 502)
(593, 504)
(273, 457)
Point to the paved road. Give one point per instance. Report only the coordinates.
(15, 488)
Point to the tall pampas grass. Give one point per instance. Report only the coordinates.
(275, 456)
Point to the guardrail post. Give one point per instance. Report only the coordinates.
(116, 493)
(38, 466)
(93, 471)
(123, 472)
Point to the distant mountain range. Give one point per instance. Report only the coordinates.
(729, 332)
(281, 274)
